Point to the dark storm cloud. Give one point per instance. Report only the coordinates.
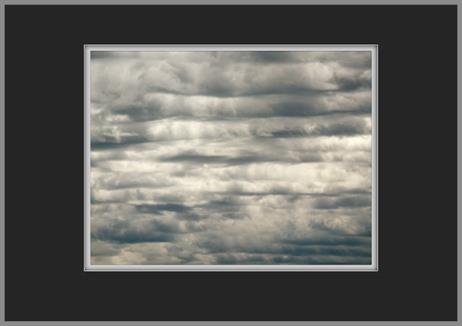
(280, 191)
(350, 83)
(304, 251)
(225, 203)
(256, 259)
(181, 212)
(344, 59)
(273, 56)
(122, 235)
(194, 158)
(218, 159)
(199, 108)
(338, 246)
(130, 232)
(157, 209)
(223, 208)
(325, 251)
(355, 201)
(140, 112)
(336, 251)
(330, 241)
(322, 260)
(231, 157)
(110, 144)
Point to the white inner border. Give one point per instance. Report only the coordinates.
(88, 48)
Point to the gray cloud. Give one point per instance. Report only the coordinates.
(158, 105)
(231, 157)
(334, 240)
(124, 142)
(140, 230)
(350, 202)
(196, 158)
(162, 208)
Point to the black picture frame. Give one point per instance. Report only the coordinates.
(44, 276)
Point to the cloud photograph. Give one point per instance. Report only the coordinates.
(230, 157)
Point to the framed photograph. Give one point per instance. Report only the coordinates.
(236, 158)
(229, 163)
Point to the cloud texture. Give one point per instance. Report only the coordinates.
(231, 158)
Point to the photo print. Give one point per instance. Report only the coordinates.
(231, 158)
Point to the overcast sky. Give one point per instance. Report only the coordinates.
(231, 158)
